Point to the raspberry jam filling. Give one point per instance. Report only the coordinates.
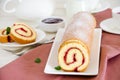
(8, 38)
(74, 56)
(22, 29)
(4, 32)
(52, 20)
(76, 68)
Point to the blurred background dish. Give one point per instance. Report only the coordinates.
(60, 10)
(113, 3)
(74, 6)
(103, 5)
(116, 12)
(13, 46)
(111, 25)
(52, 24)
(6, 21)
(28, 9)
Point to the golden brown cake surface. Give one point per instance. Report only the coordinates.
(23, 33)
(73, 55)
(4, 37)
(74, 50)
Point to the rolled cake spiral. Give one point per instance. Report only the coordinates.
(74, 50)
(4, 37)
(22, 33)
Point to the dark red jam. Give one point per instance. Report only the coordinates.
(75, 69)
(74, 59)
(22, 29)
(118, 13)
(52, 20)
(8, 38)
(3, 32)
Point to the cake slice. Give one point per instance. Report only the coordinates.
(23, 33)
(4, 35)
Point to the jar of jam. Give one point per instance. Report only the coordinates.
(52, 24)
(52, 20)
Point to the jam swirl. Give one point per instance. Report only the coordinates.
(25, 31)
(74, 57)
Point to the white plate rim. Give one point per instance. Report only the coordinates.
(104, 27)
(40, 36)
(105, 5)
(116, 9)
(99, 31)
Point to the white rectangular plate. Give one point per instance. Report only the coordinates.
(93, 67)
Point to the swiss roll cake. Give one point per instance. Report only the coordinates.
(74, 50)
(4, 35)
(22, 33)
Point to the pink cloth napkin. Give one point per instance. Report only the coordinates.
(24, 68)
